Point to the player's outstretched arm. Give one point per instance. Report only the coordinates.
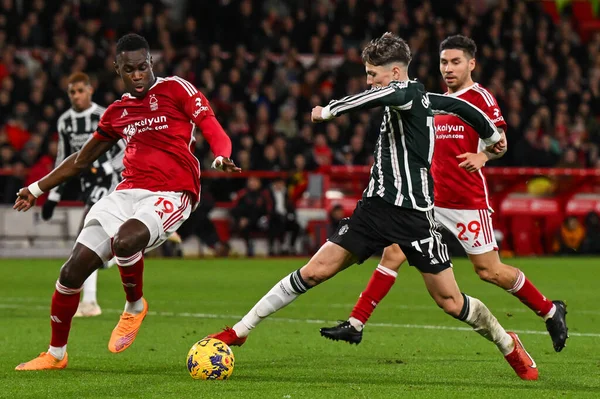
(470, 114)
(73, 165)
(196, 107)
(220, 144)
(396, 94)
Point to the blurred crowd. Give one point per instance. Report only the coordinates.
(578, 236)
(264, 64)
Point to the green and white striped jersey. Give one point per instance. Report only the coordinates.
(401, 171)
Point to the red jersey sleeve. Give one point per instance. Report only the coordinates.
(195, 105)
(488, 104)
(105, 131)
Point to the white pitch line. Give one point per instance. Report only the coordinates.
(310, 321)
(420, 308)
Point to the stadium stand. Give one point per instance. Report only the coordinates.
(542, 63)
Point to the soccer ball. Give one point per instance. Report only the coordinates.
(210, 359)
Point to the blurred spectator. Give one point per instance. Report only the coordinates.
(251, 210)
(591, 242)
(282, 220)
(570, 236)
(336, 214)
(286, 124)
(322, 153)
(570, 159)
(264, 65)
(200, 225)
(298, 181)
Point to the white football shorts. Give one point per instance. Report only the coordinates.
(163, 212)
(472, 227)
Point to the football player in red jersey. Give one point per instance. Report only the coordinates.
(161, 186)
(461, 205)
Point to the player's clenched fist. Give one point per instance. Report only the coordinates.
(25, 200)
(225, 164)
(317, 114)
(500, 147)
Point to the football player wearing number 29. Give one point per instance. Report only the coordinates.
(461, 205)
(397, 205)
(160, 188)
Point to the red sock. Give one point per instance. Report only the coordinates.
(64, 305)
(378, 287)
(132, 273)
(530, 296)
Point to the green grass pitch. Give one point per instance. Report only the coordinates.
(410, 349)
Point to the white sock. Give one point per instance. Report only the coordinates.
(357, 324)
(550, 313)
(134, 307)
(282, 294)
(58, 351)
(89, 288)
(485, 324)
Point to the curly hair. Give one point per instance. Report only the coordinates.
(387, 49)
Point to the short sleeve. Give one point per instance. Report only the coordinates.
(193, 103)
(488, 104)
(105, 131)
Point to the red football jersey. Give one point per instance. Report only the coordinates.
(455, 188)
(159, 131)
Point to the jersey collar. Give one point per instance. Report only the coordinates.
(463, 91)
(86, 112)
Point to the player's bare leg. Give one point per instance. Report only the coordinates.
(128, 246)
(326, 263)
(82, 262)
(445, 292)
(379, 285)
(88, 307)
(490, 268)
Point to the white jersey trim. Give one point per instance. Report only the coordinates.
(461, 92)
(476, 87)
(187, 86)
(489, 100)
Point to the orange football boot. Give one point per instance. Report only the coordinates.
(44, 361)
(126, 330)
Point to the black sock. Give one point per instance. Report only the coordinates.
(464, 312)
(298, 283)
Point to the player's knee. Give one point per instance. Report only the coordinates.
(487, 271)
(125, 245)
(70, 275)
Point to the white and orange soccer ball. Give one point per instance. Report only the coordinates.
(210, 359)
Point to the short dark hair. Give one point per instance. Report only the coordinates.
(460, 42)
(132, 42)
(387, 49)
(79, 77)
